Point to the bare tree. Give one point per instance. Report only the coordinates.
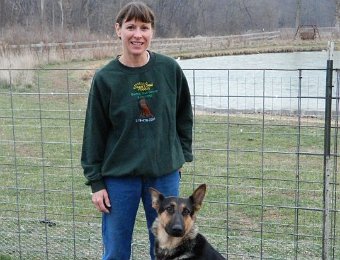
(298, 14)
(249, 15)
(60, 3)
(175, 18)
(86, 4)
(337, 15)
(42, 7)
(53, 16)
(2, 14)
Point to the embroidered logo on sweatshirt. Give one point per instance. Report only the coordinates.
(143, 86)
(144, 91)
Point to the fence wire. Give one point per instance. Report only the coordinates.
(258, 145)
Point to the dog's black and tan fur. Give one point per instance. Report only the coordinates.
(176, 235)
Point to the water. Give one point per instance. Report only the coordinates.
(280, 82)
(293, 60)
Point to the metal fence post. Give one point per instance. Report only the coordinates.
(327, 161)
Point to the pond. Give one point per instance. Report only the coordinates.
(280, 82)
(292, 60)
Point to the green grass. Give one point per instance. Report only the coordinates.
(264, 191)
(4, 257)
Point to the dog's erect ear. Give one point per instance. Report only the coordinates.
(198, 196)
(156, 197)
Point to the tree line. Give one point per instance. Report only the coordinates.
(31, 20)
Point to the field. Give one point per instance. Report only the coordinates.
(264, 174)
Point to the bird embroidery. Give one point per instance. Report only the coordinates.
(145, 111)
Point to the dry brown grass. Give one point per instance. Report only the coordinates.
(17, 67)
(26, 59)
(279, 46)
(14, 68)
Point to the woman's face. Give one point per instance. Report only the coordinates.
(136, 36)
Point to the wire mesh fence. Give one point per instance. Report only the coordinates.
(258, 145)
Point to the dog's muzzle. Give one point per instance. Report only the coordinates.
(177, 231)
(176, 227)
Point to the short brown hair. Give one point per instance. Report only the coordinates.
(138, 11)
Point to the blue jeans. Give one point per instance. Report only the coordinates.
(125, 194)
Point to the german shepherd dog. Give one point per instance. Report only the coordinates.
(176, 235)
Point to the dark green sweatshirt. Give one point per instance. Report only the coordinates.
(138, 121)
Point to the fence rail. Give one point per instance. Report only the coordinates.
(171, 45)
(258, 144)
(167, 46)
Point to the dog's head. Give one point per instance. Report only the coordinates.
(177, 215)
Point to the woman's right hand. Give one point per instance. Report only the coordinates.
(101, 201)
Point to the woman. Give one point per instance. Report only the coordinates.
(137, 133)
